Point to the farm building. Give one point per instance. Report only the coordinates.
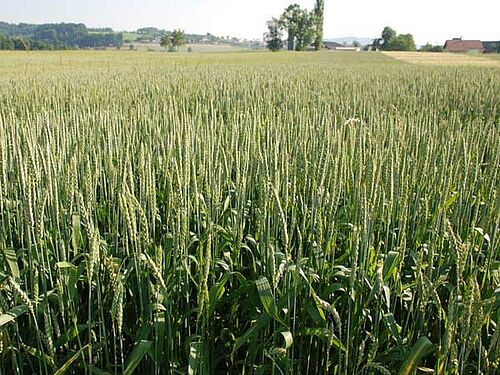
(459, 45)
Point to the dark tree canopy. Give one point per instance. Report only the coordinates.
(388, 35)
(274, 35)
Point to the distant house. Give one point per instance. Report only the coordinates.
(491, 47)
(348, 48)
(463, 46)
(340, 47)
(332, 45)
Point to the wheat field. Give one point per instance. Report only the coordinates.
(247, 213)
(446, 58)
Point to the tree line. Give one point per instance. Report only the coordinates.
(25, 36)
(22, 44)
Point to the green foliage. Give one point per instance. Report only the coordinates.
(430, 48)
(239, 213)
(273, 37)
(302, 28)
(392, 42)
(319, 10)
(173, 40)
(403, 42)
(57, 36)
(388, 35)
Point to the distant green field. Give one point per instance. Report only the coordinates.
(243, 212)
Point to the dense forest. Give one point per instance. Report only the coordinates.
(26, 36)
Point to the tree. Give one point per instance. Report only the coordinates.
(178, 38)
(300, 25)
(273, 37)
(303, 28)
(166, 41)
(289, 20)
(393, 42)
(403, 42)
(306, 30)
(388, 35)
(377, 44)
(319, 11)
(173, 40)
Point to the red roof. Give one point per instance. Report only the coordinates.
(458, 45)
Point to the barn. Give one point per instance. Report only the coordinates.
(463, 46)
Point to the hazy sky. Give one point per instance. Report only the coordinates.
(428, 20)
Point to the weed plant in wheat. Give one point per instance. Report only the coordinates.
(250, 213)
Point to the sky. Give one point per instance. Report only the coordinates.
(431, 21)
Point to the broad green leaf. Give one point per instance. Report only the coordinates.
(391, 264)
(420, 349)
(394, 328)
(12, 314)
(216, 292)
(137, 355)
(65, 367)
(11, 258)
(266, 297)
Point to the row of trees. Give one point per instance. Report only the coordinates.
(430, 48)
(390, 41)
(23, 44)
(303, 28)
(61, 35)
